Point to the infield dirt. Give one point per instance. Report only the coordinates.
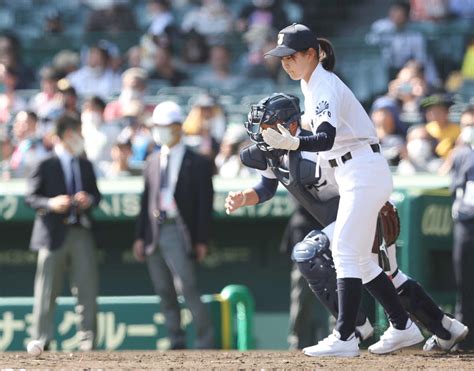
(219, 360)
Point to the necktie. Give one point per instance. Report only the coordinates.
(73, 185)
(73, 214)
(164, 173)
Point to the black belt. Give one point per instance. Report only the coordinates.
(346, 157)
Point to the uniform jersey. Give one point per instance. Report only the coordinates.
(328, 99)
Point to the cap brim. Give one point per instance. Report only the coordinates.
(280, 51)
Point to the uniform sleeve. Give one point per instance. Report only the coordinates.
(327, 107)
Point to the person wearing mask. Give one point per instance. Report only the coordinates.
(98, 136)
(390, 130)
(438, 124)
(10, 102)
(47, 101)
(29, 148)
(62, 189)
(134, 81)
(174, 222)
(462, 187)
(420, 155)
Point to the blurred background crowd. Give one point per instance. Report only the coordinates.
(111, 61)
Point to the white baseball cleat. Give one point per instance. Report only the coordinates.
(394, 339)
(333, 346)
(457, 330)
(365, 331)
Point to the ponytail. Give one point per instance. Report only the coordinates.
(326, 54)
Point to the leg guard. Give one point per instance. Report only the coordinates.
(313, 258)
(422, 308)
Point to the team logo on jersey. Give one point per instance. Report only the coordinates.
(322, 108)
(280, 38)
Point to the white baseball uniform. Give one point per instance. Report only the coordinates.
(364, 181)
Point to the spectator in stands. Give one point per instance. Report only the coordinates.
(10, 56)
(68, 97)
(399, 44)
(53, 22)
(462, 9)
(48, 99)
(10, 102)
(98, 136)
(117, 16)
(206, 113)
(5, 153)
(211, 19)
(134, 81)
(65, 62)
(462, 187)
(467, 69)
(165, 68)
(256, 66)
(134, 57)
(134, 128)
(420, 155)
(227, 161)
(409, 88)
(262, 14)
(221, 75)
(429, 10)
(161, 15)
(438, 124)
(195, 48)
(391, 132)
(205, 126)
(28, 149)
(96, 77)
(62, 189)
(120, 153)
(174, 224)
(115, 58)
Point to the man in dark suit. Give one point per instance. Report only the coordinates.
(62, 189)
(174, 224)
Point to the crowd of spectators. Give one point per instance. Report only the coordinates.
(193, 44)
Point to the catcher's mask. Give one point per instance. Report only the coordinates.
(278, 108)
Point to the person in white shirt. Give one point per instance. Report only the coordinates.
(96, 78)
(346, 140)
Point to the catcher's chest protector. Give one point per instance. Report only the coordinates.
(300, 180)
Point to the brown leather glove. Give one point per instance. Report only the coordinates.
(388, 227)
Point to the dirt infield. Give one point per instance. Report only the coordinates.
(408, 359)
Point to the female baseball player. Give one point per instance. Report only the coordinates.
(296, 171)
(345, 138)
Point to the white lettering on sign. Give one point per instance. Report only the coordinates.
(8, 326)
(437, 220)
(8, 207)
(121, 205)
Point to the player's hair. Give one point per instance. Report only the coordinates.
(326, 54)
(65, 122)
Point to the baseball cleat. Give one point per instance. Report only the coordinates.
(333, 346)
(365, 331)
(457, 330)
(394, 339)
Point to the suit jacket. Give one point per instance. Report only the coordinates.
(193, 194)
(47, 180)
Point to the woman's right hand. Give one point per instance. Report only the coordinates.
(233, 201)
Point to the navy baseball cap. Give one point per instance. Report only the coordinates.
(292, 39)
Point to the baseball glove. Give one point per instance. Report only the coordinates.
(388, 227)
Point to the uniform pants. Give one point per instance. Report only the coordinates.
(463, 260)
(172, 270)
(365, 184)
(76, 255)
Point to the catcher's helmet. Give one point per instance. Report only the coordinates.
(278, 108)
